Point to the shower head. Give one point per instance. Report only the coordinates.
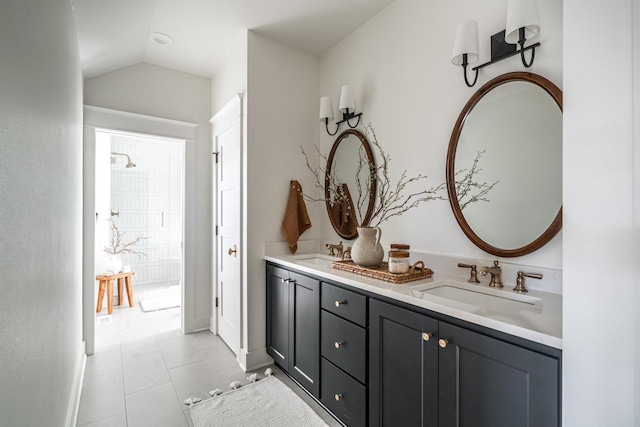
(130, 164)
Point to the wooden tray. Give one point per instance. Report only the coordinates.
(382, 271)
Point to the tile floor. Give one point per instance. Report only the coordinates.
(144, 368)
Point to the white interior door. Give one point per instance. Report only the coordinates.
(227, 139)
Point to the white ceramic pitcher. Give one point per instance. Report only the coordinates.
(367, 250)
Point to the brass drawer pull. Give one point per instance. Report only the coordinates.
(338, 397)
(339, 344)
(339, 303)
(442, 342)
(426, 336)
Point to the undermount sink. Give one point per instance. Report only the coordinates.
(477, 297)
(316, 260)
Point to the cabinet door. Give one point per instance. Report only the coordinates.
(403, 367)
(485, 382)
(278, 291)
(304, 332)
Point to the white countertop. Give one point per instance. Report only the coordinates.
(542, 324)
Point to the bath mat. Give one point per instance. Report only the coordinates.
(160, 303)
(267, 402)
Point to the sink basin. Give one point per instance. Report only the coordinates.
(316, 260)
(474, 297)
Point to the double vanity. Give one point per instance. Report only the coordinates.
(435, 352)
(440, 351)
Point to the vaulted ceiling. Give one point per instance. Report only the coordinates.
(115, 33)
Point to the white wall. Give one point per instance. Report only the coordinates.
(40, 214)
(399, 64)
(102, 195)
(636, 202)
(281, 116)
(160, 92)
(230, 79)
(601, 268)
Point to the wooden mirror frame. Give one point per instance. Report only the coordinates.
(556, 225)
(332, 211)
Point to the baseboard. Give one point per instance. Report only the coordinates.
(252, 360)
(212, 325)
(76, 389)
(200, 324)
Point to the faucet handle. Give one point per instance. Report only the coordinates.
(520, 287)
(474, 272)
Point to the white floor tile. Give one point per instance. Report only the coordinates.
(157, 406)
(143, 370)
(117, 420)
(146, 356)
(102, 397)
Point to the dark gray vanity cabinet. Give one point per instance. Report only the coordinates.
(343, 349)
(293, 325)
(403, 367)
(425, 372)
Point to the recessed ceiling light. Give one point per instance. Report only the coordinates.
(161, 39)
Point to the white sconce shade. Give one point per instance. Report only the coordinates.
(326, 109)
(521, 14)
(347, 100)
(466, 42)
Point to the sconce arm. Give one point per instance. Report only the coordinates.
(464, 71)
(348, 116)
(521, 51)
(326, 125)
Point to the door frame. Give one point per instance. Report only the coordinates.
(229, 115)
(98, 118)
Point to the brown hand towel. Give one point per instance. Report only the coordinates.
(296, 219)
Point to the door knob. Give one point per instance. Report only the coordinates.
(233, 251)
(426, 336)
(442, 342)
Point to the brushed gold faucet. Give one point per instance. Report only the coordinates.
(496, 275)
(520, 287)
(473, 278)
(335, 250)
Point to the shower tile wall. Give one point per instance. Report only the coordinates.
(149, 200)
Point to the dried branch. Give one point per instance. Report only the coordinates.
(117, 245)
(466, 185)
(389, 200)
(328, 181)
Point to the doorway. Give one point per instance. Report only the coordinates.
(139, 213)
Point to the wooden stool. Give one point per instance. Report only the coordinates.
(106, 281)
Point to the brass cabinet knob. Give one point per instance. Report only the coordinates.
(339, 303)
(338, 397)
(233, 251)
(442, 342)
(339, 344)
(426, 336)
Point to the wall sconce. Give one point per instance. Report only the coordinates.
(347, 107)
(522, 24)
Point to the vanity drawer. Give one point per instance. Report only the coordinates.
(343, 395)
(344, 303)
(344, 344)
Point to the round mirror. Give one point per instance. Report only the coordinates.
(508, 141)
(349, 168)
